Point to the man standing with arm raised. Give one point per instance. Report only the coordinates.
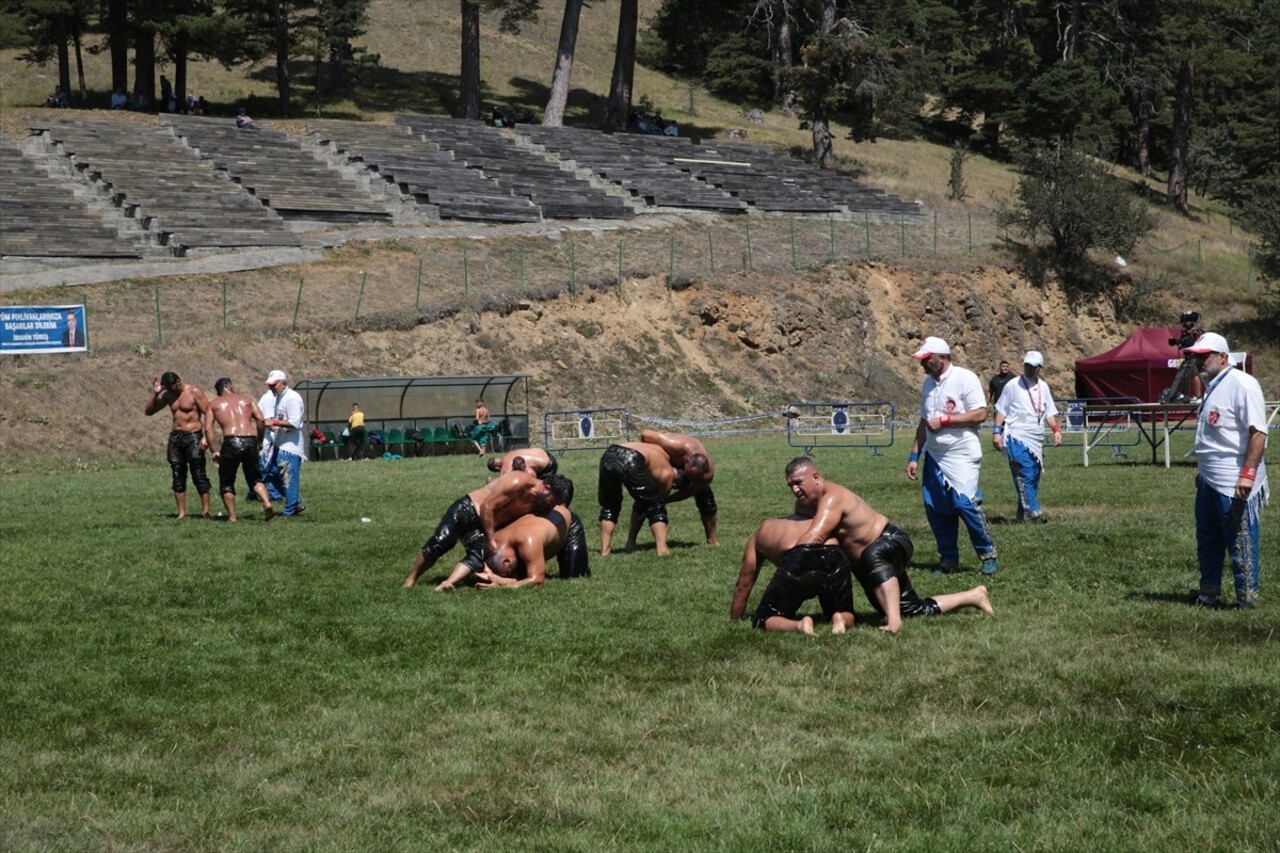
(952, 408)
(186, 439)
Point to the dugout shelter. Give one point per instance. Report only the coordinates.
(425, 413)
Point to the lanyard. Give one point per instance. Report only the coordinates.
(1037, 402)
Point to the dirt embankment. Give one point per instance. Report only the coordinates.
(734, 346)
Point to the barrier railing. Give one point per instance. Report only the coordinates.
(861, 425)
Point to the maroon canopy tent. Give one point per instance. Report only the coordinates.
(1141, 367)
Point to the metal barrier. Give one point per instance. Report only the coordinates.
(1087, 418)
(863, 425)
(585, 429)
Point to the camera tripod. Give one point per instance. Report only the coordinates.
(1185, 387)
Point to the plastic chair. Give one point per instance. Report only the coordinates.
(395, 438)
(441, 438)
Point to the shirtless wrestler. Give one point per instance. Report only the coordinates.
(878, 551)
(694, 472)
(475, 517)
(522, 549)
(803, 572)
(535, 460)
(645, 470)
(186, 437)
(241, 422)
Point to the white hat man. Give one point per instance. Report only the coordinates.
(953, 406)
(1231, 437)
(1024, 409)
(283, 450)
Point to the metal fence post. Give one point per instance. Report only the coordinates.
(364, 276)
(298, 302)
(417, 299)
(159, 327)
(711, 252)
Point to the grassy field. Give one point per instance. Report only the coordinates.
(197, 685)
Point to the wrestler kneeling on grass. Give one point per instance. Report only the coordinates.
(518, 553)
(878, 552)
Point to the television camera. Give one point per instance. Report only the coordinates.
(1185, 387)
(1190, 331)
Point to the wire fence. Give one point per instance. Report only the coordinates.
(407, 280)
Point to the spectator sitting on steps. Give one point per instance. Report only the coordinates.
(243, 121)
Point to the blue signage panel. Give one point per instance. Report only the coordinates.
(33, 329)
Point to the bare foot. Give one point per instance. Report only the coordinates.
(231, 519)
(182, 517)
(839, 624)
(984, 601)
(892, 627)
(604, 551)
(806, 626)
(664, 551)
(444, 586)
(268, 512)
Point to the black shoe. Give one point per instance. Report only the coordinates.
(1200, 601)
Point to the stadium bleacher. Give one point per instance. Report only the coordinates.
(89, 185)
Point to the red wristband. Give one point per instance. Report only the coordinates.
(1248, 473)
(945, 420)
(1056, 429)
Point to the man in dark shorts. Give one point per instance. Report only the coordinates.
(241, 422)
(694, 473)
(877, 550)
(186, 438)
(645, 470)
(474, 518)
(804, 572)
(522, 550)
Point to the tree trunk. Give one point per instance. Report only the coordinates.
(1069, 33)
(118, 35)
(75, 38)
(821, 124)
(624, 66)
(144, 58)
(62, 34)
(180, 70)
(282, 55)
(470, 106)
(1181, 137)
(783, 57)
(822, 150)
(559, 99)
(1144, 146)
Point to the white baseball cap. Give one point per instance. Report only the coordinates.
(932, 346)
(1033, 358)
(276, 376)
(1209, 342)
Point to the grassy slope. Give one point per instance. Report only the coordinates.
(199, 685)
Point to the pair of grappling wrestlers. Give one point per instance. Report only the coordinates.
(833, 537)
(510, 527)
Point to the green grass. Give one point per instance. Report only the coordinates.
(201, 685)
